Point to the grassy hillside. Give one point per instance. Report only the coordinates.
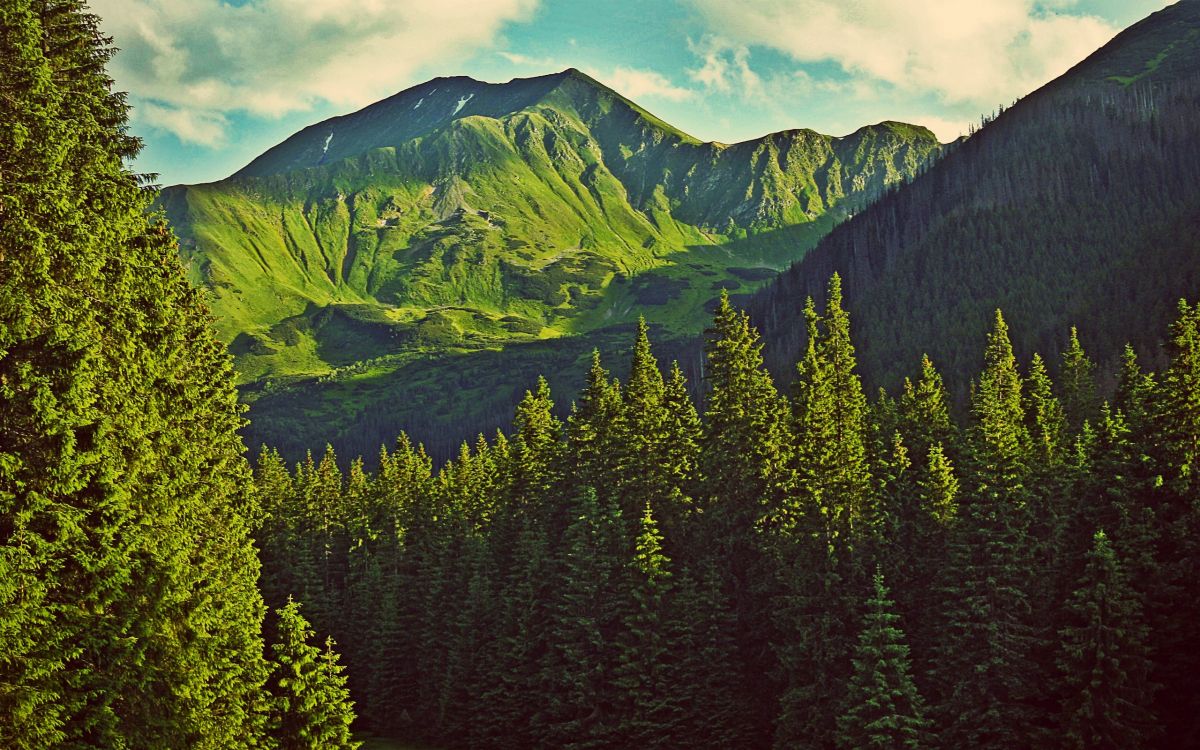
(459, 218)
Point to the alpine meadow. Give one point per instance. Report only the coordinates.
(510, 415)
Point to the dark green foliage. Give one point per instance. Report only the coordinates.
(1104, 659)
(310, 706)
(830, 422)
(1077, 204)
(504, 601)
(986, 680)
(1078, 384)
(883, 707)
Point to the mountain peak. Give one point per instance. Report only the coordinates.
(420, 109)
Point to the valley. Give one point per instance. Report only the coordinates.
(460, 222)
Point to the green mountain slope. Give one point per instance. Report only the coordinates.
(1080, 205)
(461, 216)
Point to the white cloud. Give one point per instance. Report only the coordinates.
(946, 129)
(203, 127)
(635, 84)
(189, 63)
(980, 53)
(725, 66)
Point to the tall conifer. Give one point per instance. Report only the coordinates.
(883, 708)
(128, 609)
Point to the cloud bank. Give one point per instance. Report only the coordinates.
(980, 53)
(194, 62)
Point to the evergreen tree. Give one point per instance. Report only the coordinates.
(594, 432)
(743, 458)
(1078, 384)
(704, 676)
(125, 619)
(830, 421)
(310, 705)
(924, 411)
(985, 679)
(648, 710)
(1103, 659)
(883, 707)
(585, 608)
(1174, 411)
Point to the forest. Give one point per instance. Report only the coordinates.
(813, 566)
(1071, 207)
(813, 569)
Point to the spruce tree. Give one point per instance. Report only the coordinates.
(883, 708)
(1174, 410)
(985, 680)
(1078, 384)
(830, 421)
(594, 431)
(924, 411)
(1103, 659)
(310, 706)
(576, 687)
(743, 457)
(648, 708)
(125, 621)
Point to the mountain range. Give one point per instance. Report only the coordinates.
(459, 219)
(417, 264)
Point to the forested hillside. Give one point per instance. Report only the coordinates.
(802, 570)
(1077, 206)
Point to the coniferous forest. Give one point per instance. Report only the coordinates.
(810, 569)
(807, 567)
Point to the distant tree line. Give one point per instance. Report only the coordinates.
(810, 570)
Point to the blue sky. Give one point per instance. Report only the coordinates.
(213, 83)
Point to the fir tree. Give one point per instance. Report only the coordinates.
(593, 430)
(648, 709)
(742, 461)
(883, 707)
(924, 411)
(1078, 384)
(1104, 664)
(985, 679)
(126, 617)
(310, 705)
(830, 421)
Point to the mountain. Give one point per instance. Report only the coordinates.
(1079, 205)
(367, 255)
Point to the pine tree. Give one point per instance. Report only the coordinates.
(579, 708)
(743, 457)
(1174, 412)
(648, 708)
(1103, 661)
(124, 619)
(594, 431)
(657, 440)
(924, 411)
(1046, 419)
(705, 679)
(310, 706)
(830, 421)
(883, 707)
(1078, 384)
(986, 682)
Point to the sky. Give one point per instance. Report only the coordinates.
(214, 83)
